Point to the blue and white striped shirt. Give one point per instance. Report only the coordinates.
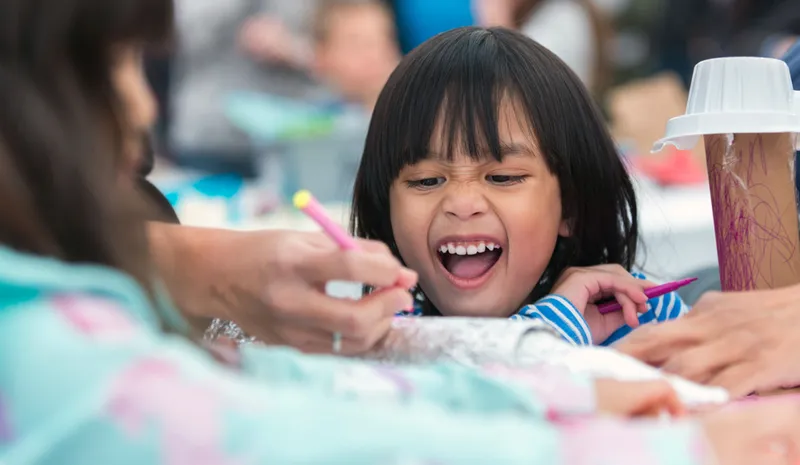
(561, 314)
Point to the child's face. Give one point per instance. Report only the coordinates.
(480, 234)
(358, 52)
(137, 100)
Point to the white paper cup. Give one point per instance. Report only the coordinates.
(735, 96)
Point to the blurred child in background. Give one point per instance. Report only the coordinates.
(233, 46)
(355, 48)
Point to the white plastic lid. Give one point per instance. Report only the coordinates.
(735, 95)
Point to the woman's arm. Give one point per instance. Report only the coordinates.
(538, 391)
(104, 390)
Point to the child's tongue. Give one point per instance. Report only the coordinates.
(470, 266)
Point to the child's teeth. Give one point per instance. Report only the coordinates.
(467, 249)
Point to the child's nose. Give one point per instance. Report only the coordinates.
(465, 203)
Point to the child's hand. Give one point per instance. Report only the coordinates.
(764, 432)
(637, 398)
(585, 286)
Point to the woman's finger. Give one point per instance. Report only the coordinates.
(655, 344)
(701, 363)
(374, 269)
(739, 379)
(315, 341)
(356, 319)
(408, 278)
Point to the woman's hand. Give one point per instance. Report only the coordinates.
(586, 286)
(272, 284)
(744, 342)
(764, 432)
(637, 398)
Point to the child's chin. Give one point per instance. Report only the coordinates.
(475, 308)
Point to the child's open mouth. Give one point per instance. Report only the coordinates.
(466, 263)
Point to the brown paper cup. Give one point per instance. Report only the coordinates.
(751, 177)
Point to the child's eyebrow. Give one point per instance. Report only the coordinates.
(506, 149)
(516, 149)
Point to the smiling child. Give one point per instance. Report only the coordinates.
(489, 171)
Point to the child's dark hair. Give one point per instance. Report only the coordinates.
(461, 76)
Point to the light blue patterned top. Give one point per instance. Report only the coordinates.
(86, 377)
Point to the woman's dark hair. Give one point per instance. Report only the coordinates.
(461, 76)
(62, 126)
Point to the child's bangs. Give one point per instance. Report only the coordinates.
(447, 102)
(469, 119)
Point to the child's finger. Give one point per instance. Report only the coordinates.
(629, 309)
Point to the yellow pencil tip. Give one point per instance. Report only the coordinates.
(301, 199)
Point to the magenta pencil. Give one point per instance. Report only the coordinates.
(655, 291)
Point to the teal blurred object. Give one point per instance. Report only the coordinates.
(226, 187)
(270, 119)
(304, 146)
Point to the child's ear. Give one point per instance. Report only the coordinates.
(564, 229)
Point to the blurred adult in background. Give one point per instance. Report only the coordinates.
(575, 30)
(695, 30)
(227, 46)
(355, 48)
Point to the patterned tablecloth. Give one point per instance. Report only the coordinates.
(517, 344)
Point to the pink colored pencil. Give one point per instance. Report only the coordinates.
(305, 202)
(655, 291)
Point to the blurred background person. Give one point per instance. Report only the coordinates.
(355, 48)
(690, 31)
(575, 30)
(228, 46)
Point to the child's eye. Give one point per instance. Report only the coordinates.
(505, 180)
(425, 183)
